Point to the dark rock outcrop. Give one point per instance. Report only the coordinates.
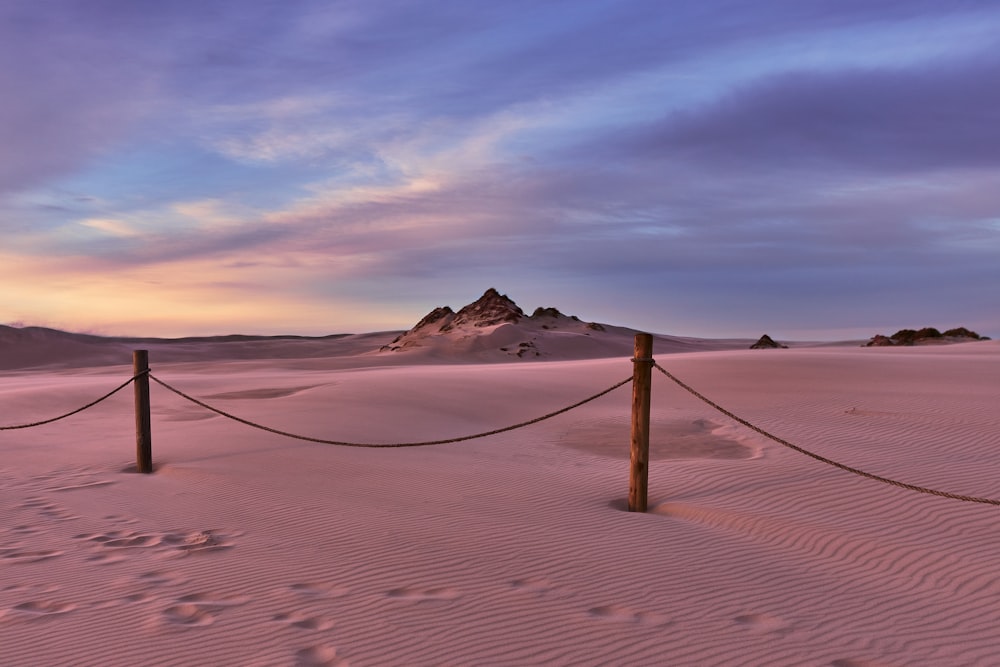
(767, 343)
(440, 316)
(547, 312)
(962, 332)
(927, 335)
(489, 309)
(436, 319)
(879, 341)
(909, 336)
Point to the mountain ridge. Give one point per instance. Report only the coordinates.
(495, 327)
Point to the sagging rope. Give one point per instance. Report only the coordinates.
(823, 459)
(384, 445)
(680, 383)
(81, 409)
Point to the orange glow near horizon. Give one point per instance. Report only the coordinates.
(180, 299)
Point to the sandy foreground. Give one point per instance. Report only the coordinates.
(248, 548)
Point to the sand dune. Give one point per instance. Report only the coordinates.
(39, 348)
(35, 347)
(246, 548)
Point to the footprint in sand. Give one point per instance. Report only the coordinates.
(198, 542)
(128, 540)
(533, 585)
(161, 578)
(423, 594)
(18, 554)
(117, 539)
(191, 615)
(199, 609)
(322, 655)
(38, 609)
(25, 529)
(167, 544)
(48, 510)
(304, 621)
(30, 588)
(764, 623)
(319, 590)
(622, 614)
(105, 559)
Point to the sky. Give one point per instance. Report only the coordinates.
(811, 169)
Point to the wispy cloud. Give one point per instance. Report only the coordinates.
(109, 226)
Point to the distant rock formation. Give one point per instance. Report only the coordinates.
(489, 309)
(439, 316)
(767, 343)
(480, 323)
(880, 341)
(927, 335)
(962, 332)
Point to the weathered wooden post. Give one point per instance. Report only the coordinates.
(143, 438)
(642, 372)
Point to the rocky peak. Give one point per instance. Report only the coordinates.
(491, 308)
(475, 329)
(440, 316)
(546, 312)
(767, 343)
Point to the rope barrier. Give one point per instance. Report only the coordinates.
(384, 445)
(823, 459)
(70, 414)
(688, 388)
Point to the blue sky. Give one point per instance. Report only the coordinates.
(810, 169)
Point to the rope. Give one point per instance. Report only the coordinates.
(384, 445)
(70, 414)
(823, 459)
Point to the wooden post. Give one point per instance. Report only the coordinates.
(639, 459)
(143, 438)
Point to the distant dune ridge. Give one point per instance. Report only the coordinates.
(32, 347)
(246, 548)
